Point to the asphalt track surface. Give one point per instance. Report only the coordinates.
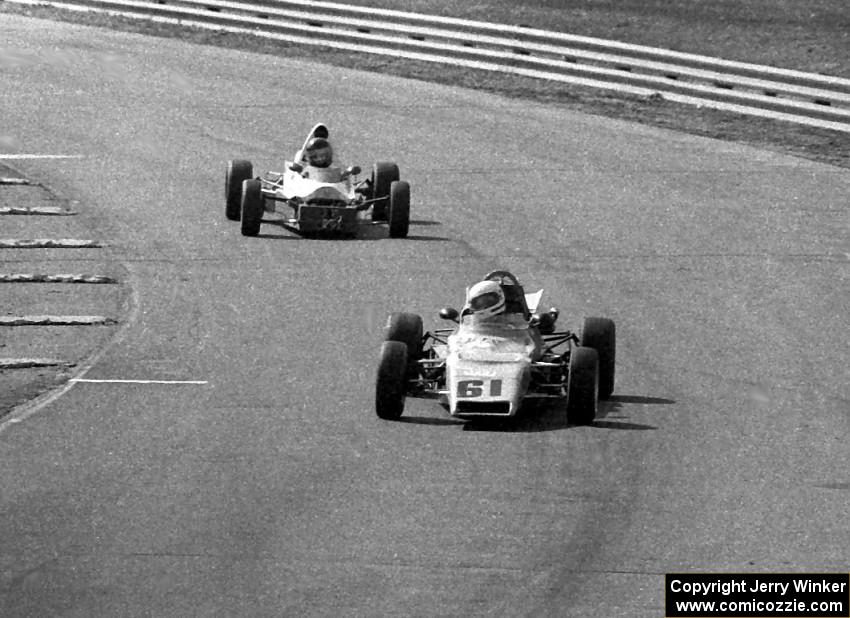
(273, 490)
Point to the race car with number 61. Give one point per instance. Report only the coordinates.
(500, 353)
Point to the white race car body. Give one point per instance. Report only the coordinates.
(316, 184)
(488, 363)
(487, 366)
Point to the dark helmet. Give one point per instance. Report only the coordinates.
(319, 152)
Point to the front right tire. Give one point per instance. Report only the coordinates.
(391, 382)
(252, 207)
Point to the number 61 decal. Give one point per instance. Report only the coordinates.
(475, 388)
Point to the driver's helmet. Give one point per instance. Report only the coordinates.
(485, 299)
(319, 152)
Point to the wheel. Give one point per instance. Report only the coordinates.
(399, 214)
(601, 335)
(383, 175)
(237, 172)
(252, 207)
(391, 380)
(406, 328)
(582, 386)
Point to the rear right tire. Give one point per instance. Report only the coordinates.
(406, 328)
(238, 171)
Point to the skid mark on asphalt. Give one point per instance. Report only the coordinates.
(28, 363)
(54, 211)
(131, 381)
(30, 156)
(55, 320)
(57, 278)
(48, 243)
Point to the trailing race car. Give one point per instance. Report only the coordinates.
(324, 198)
(501, 352)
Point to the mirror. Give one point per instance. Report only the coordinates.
(543, 321)
(449, 313)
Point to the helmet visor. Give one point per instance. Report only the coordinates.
(483, 301)
(319, 156)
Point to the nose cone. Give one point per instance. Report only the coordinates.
(486, 388)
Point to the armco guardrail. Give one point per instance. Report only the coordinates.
(795, 96)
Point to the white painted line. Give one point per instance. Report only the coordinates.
(14, 181)
(56, 211)
(39, 156)
(58, 278)
(48, 243)
(116, 381)
(55, 320)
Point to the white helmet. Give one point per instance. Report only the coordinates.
(485, 299)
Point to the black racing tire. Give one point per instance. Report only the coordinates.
(252, 207)
(383, 175)
(391, 382)
(406, 328)
(399, 211)
(601, 335)
(238, 171)
(582, 386)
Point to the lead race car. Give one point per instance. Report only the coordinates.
(500, 353)
(323, 198)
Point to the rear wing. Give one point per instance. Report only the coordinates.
(533, 299)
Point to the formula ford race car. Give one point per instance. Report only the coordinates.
(323, 198)
(488, 367)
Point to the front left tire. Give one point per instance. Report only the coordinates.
(383, 175)
(399, 211)
(582, 386)
(601, 335)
